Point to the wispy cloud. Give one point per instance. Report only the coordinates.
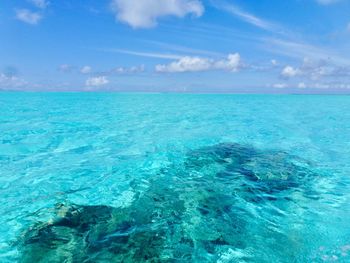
(128, 70)
(66, 68)
(28, 16)
(88, 70)
(42, 4)
(141, 53)
(285, 42)
(183, 49)
(327, 2)
(312, 85)
(245, 16)
(121, 71)
(300, 50)
(31, 17)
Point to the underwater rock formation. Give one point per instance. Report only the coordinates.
(267, 171)
(188, 213)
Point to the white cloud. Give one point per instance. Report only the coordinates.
(186, 64)
(125, 70)
(232, 63)
(42, 4)
(194, 64)
(280, 86)
(144, 13)
(301, 85)
(313, 85)
(316, 70)
(331, 85)
(11, 82)
(96, 81)
(274, 62)
(65, 68)
(28, 16)
(85, 70)
(289, 72)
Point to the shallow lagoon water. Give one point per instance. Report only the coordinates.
(101, 177)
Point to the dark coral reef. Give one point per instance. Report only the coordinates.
(192, 213)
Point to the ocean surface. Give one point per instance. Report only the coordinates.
(107, 177)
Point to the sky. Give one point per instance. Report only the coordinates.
(239, 46)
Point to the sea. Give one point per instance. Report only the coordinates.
(142, 177)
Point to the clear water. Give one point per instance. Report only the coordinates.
(174, 178)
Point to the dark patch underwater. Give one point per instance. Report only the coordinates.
(192, 213)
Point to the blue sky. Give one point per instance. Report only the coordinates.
(300, 46)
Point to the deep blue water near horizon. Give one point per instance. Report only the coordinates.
(195, 177)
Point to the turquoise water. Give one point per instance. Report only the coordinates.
(105, 177)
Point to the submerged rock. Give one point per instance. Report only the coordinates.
(90, 234)
(268, 171)
(189, 213)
